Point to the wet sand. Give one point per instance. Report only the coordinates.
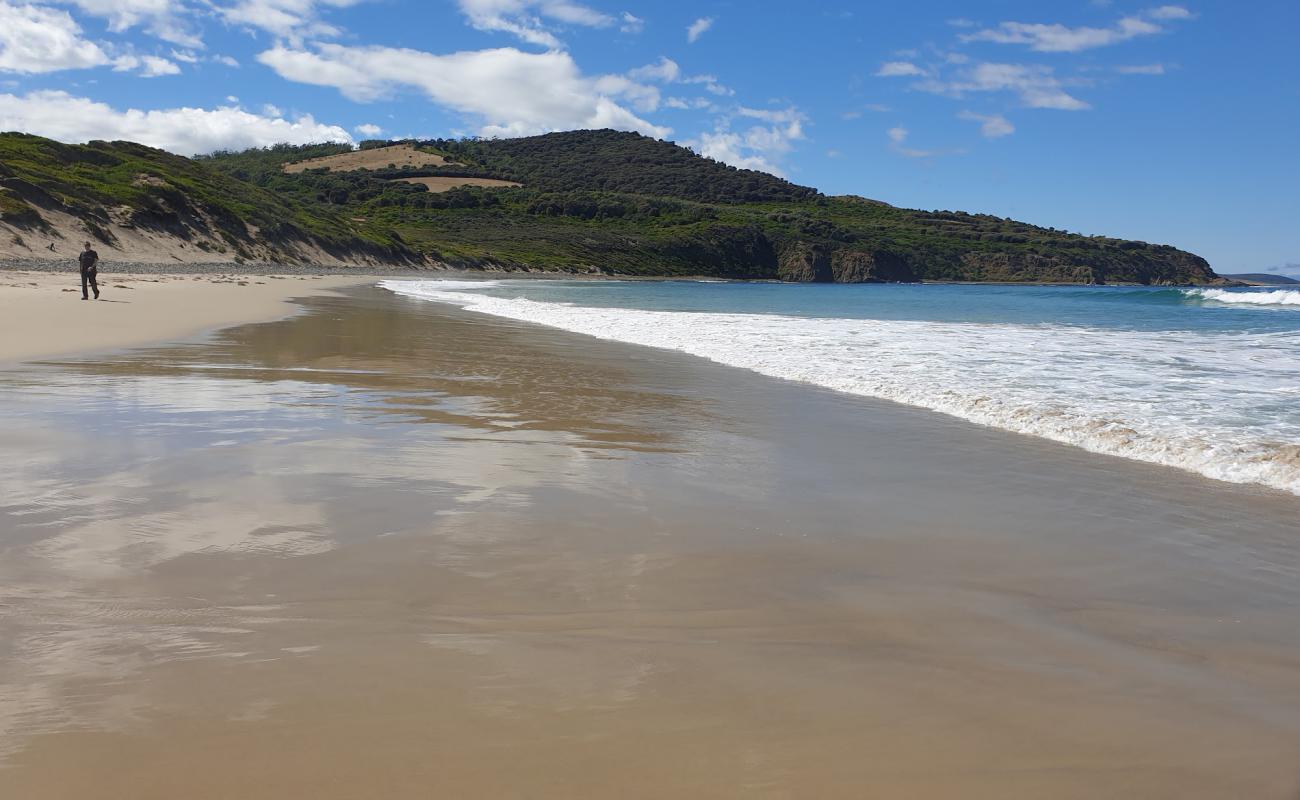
(388, 549)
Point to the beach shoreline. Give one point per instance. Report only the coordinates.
(485, 558)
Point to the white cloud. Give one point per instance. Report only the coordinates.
(1169, 12)
(631, 23)
(369, 131)
(35, 40)
(697, 28)
(510, 92)
(1036, 86)
(527, 19)
(1057, 38)
(710, 84)
(59, 115)
(759, 147)
(992, 126)
(898, 69)
(1141, 69)
(149, 66)
(226, 60)
(161, 18)
(898, 136)
(664, 70)
(695, 103)
(288, 19)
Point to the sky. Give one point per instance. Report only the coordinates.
(1171, 123)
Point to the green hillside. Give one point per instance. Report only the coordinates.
(110, 186)
(591, 202)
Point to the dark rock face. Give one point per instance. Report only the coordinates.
(856, 266)
(1153, 266)
(1027, 267)
(801, 262)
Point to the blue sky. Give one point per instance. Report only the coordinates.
(1174, 123)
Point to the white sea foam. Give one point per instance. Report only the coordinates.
(1220, 404)
(1272, 297)
(448, 285)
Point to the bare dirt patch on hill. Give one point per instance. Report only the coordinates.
(445, 183)
(398, 155)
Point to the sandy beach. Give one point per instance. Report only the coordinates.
(386, 548)
(42, 314)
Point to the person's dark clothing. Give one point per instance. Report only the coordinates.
(89, 260)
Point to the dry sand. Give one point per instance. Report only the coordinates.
(42, 314)
(388, 549)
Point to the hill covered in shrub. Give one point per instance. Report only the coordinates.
(590, 202)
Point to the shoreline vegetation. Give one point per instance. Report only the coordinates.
(600, 203)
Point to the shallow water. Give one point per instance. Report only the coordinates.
(389, 547)
(1206, 380)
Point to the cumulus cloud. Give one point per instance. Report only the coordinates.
(992, 126)
(757, 147)
(510, 92)
(1057, 38)
(697, 28)
(528, 19)
(898, 69)
(35, 40)
(369, 131)
(187, 131)
(1035, 85)
(162, 18)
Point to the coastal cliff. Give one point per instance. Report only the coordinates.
(588, 202)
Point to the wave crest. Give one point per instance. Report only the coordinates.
(1250, 297)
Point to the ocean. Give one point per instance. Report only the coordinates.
(1201, 379)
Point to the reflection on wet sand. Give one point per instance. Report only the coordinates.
(386, 549)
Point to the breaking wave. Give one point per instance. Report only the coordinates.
(1270, 297)
(1222, 404)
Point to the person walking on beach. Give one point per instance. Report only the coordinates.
(89, 260)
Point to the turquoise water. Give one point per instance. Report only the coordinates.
(1206, 380)
(1124, 308)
